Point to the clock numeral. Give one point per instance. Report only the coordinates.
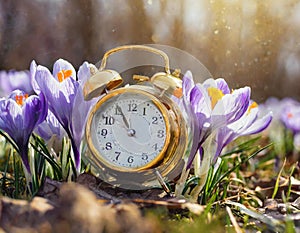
(144, 156)
(103, 132)
(118, 154)
(144, 111)
(154, 120)
(160, 133)
(108, 146)
(130, 159)
(132, 107)
(108, 120)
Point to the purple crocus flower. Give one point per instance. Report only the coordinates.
(19, 115)
(211, 106)
(65, 98)
(15, 80)
(276, 130)
(248, 124)
(290, 117)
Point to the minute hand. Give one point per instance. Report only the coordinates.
(123, 116)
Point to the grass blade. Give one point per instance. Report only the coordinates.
(278, 180)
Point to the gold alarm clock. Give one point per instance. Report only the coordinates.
(136, 134)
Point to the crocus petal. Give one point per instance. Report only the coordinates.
(196, 98)
(187, 83)
(199, 115)
(13, 80)
(259, 125)
(60, 96)
(244, 122)
(10, 113)
(210, 83)
(79, 116)
(62, 64)
(34, 111)
(246, 125)
(196, 135)
(223, 138)
(232, 106)
(80, 110)
(35, 86)
(49, 127)
(84, 72)
(223, 86)
(200, 101)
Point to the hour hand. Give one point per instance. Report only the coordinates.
(123, 116)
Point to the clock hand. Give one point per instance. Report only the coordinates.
(123, 117)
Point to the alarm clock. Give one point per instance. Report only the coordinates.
(136, 134)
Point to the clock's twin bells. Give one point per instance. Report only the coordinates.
(104, 80)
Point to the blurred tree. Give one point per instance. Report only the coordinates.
(248, 42)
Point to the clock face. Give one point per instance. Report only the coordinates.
(129, 130)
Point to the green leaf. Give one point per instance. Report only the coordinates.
(278, 179)
(10, 141)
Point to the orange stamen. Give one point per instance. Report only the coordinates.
(63, 74)
(20, 99)
(215, 95)
(252, 106)
(290, 115)
(60, 76)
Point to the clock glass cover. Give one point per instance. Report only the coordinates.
(130, 130)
